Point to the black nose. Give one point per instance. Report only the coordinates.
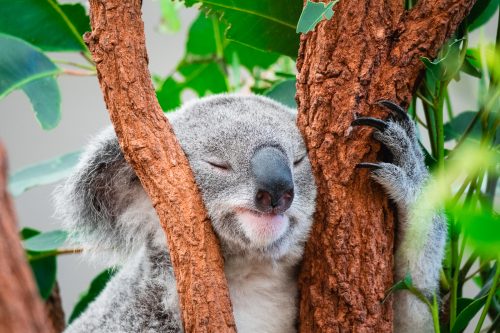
(274, 180)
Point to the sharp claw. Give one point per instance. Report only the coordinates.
(368, 121)
(366, 165)
(398, 110)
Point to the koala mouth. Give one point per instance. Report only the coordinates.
(262, 229)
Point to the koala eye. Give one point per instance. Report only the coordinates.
(299, 159)
(219, 165)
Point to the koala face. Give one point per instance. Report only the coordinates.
(251, 166)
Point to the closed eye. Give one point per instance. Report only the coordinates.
(219, 165)
(299, 160)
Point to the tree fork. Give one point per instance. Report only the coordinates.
(117, 44)
(21, 309)
(369, 50)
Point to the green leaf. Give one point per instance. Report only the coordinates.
(249, 57)
(170, 20)
(467, 314)
(202, 36)
(481, 226)
(313, 13)
(456, 127)
(202, 41)
(46, 242)
(44, 24)
(469, 67)
(481, 12)
(44, 269)
(77, 16)
(45, 99)
(169, 94)
(43, 173)
(202, 78)
(96, 287)
(24, 67)
(262, 24)
(446, 67)
(284, 92)
(405, 284)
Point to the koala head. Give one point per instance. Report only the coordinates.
(251, 165)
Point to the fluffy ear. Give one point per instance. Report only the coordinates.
(103, 204)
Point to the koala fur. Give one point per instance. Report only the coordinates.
(236, 145)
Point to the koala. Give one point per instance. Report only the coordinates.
(250, 163)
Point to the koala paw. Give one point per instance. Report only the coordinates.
(404, 176)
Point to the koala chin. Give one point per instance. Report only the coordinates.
(250, 163)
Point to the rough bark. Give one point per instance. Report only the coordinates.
(21, 309)
(149, 145)
(370, 50)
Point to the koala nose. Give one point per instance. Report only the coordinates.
(274, 180)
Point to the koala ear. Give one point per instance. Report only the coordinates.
(103, 205)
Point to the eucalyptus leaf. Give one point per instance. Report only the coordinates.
(469, 68)
(45, 99)
(44, 23)
(46, 241)
(96, 287)
(202, 70)
(22, 66)
(76, 14)
(467, 314)
(456, 127)
(46, 172)
(45, 272)
(481, 12)
(313, 13)
(444, 68)
(44, 269)
(482, 228)
(284, 92)
(272, 23)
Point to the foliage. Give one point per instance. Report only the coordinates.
(268, 19)
(96, 286)
(46, 172)
(222, 54)
(313, 13)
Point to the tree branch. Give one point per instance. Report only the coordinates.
(370, 50)
(21, 308)
(149, 145)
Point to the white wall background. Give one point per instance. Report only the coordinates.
(84, 114)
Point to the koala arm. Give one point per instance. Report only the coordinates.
(421, 234)
(104, 206)
(141, 297)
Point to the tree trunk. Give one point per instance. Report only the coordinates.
(149, 145)
(370, 50)
(21, 309)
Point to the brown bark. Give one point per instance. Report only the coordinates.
(149, 145)
(54, 310)
(370, 50)
(21, 309)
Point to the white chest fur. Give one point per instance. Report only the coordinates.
(264, 296)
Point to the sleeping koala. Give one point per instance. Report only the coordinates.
(251, 165)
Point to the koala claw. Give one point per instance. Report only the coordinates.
(367, 165)
(395, 108)
(369, 121)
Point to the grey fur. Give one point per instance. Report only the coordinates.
(108, 213)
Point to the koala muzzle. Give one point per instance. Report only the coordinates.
(274, 181)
